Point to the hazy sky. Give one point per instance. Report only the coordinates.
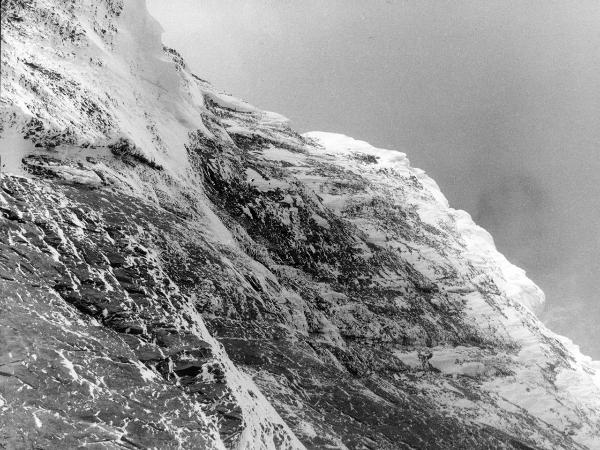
(498, 100)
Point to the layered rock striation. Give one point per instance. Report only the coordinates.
(179, 269)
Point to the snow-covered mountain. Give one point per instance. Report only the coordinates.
(179, 269)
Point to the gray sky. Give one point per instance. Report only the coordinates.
(499, 101)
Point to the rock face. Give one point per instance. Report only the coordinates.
(179, 269)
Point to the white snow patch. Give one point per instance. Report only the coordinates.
(307, 429)
(13, 148)
(38, 422)
(68, 364)
(147, 374)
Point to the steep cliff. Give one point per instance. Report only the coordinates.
(179, 269)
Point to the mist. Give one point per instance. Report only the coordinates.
(499, 101)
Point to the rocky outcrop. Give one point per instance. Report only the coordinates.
(179, 269)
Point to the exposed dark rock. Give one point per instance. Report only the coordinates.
(179, 269)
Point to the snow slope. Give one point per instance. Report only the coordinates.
(197, 274)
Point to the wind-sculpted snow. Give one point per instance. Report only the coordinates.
(179, 269)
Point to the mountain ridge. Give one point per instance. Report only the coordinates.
(200, 275)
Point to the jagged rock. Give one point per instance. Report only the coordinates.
(179, 269)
